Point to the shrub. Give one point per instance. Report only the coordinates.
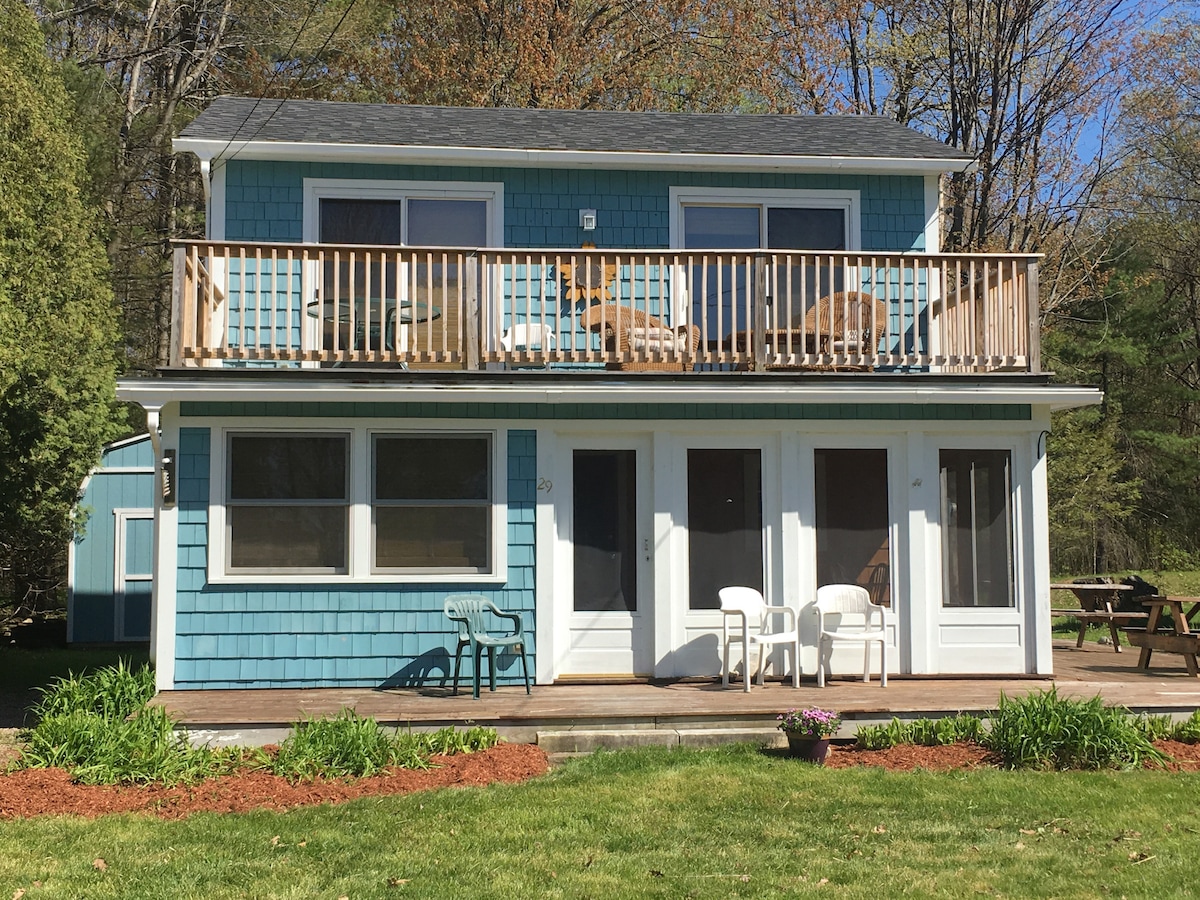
(1045, 731)
(112, 692)
(926, 732)
(350, 746)
(448, 741)
(1188, 731)
(142, 749)
(98, 728)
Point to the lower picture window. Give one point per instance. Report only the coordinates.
(432, 502)
(287, 505)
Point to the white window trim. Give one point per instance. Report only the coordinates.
(359, 530)
(315, 189)
(846, 200)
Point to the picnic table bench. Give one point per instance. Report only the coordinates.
(1096, 604)
(1179, 639)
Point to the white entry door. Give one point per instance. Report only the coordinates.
(605, 601)
(980, 625)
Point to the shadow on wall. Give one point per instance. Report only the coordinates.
(420, 672)
(700, 656)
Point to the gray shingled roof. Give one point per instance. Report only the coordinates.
(318, 122)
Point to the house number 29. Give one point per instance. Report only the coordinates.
(545, 484)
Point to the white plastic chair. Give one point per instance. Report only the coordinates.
(748, 604)
(531, 336)
(849, 602)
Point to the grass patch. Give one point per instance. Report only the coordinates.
(650, 823)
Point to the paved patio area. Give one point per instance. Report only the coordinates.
(1079, 673)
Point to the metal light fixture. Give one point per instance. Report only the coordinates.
(587, 219)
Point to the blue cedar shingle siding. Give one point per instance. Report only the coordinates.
(326, 635)
(93, 603)
(265, 201)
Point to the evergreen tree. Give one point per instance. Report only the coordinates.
(57, 319)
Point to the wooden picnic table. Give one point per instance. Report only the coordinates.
(1096, 604)
(1180, 639)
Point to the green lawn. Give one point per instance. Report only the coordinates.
(727, 823)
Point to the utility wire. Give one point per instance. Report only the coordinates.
(298, 80)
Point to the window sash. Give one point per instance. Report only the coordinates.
(421, 541)
(306, 535)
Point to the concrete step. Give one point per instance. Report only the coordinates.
(589, 740)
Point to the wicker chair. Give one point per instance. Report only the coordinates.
(858, 321)
(632, 332)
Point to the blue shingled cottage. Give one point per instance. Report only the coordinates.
(109, 565)
(595, 366)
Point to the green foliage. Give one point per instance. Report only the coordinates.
(143, 749)
(449, 741)
(1188, 731)
(350, 746)
(1044, 731)
(1092, 495)
(1155, 728)
(112, 693)
(57, 320)
(925, 732)
(344, 746)
(97, 727)
(1164, 728)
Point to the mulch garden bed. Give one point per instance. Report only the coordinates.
(38, 792)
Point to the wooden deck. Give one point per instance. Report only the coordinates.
(1080, 673)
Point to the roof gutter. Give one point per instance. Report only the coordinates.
(219, 150)
(156, 392)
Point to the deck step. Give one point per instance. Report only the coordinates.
(589, 740)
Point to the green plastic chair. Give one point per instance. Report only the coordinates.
(471, 612)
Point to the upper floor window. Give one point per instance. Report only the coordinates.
(735, 218)
(415, 214)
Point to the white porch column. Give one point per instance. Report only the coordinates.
(546, 550)
(922, 588)
(668, 593)
(1038, 546)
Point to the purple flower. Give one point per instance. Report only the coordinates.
(812, 722)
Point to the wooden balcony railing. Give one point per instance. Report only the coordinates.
(312, 305)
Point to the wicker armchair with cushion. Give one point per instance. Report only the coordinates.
(634, 333)
(847, 323)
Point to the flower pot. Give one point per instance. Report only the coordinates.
(808, 748)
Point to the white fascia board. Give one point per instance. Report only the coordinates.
(561, 159)
(158, 392)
